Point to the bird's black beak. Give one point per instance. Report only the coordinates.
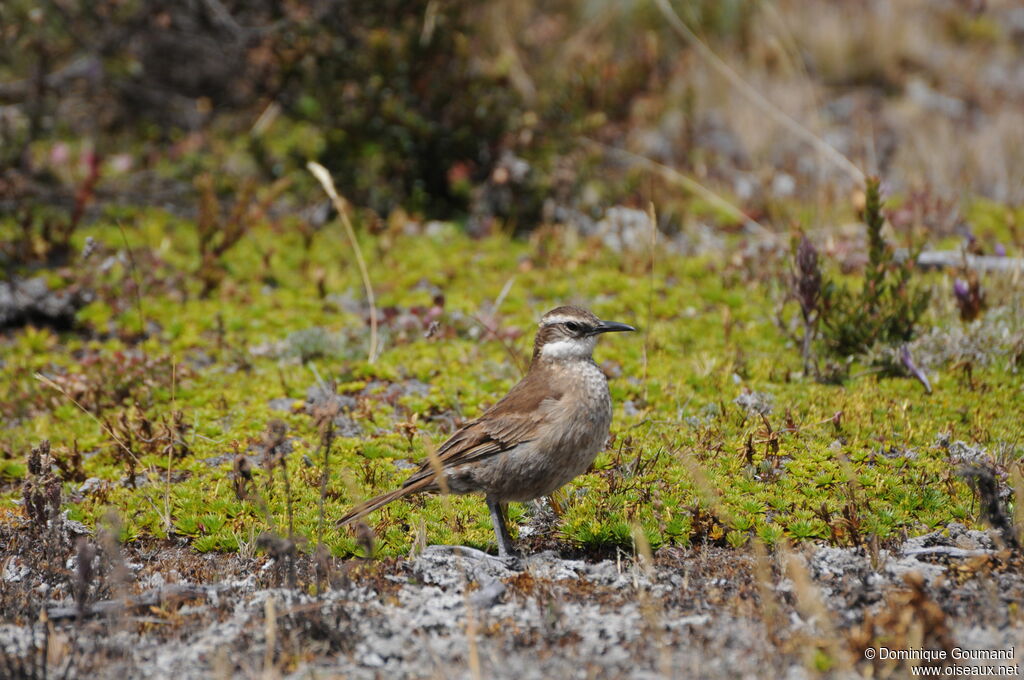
(612, 327)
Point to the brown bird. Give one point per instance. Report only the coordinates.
(547, 430)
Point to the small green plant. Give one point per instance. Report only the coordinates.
(736, 539)
(803, 530)
(887, 306)
(771, 534)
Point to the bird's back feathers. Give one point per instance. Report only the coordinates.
(512, 421)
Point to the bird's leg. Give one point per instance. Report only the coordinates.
(500, 528)
(506, 555)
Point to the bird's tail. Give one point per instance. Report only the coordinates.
(365, 508)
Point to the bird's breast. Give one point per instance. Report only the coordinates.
(574, 430)
(580, 427)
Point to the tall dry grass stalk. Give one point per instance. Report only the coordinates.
(650, 607)
(270, 670)
(756, 98)
(652, 217)
(324, 177)
(812, 607)
(1017, 479)
(676, 177)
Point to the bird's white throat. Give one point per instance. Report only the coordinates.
(569, 348)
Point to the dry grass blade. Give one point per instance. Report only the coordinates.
(756, 98)
(652, 217)
(691, 185)
(643, 549)
(705, 489)
(770, 607)
(270, 635)
(474, 652)
(812, 607)
(510, 349)
(170, 459)
(651, 607)
(49, 383)
(1017, 479)
(437, 467)
(324, 177)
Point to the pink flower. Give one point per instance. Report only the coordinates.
(59, 154)
(121, 162)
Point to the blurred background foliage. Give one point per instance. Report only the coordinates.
(445, 109)
(506, 114)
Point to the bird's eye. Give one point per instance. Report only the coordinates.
(573, 327)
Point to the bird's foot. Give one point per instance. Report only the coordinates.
(509, 561)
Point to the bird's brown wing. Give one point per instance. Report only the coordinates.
(512, 421)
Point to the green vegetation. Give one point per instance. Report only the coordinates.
(710, 388)
(886, 308)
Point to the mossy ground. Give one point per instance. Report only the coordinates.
(685, 462)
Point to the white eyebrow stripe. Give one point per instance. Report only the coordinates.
(560, 319)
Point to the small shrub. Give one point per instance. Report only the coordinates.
(315, 343)
(846, 322)
(887, 306)
(969, 296)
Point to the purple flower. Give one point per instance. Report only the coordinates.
(908, 362)
(999, 250)
(961, 290)
(970, 298)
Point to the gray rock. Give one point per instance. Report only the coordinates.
(541, 618)
(755, 403)
(281, 404)
(488, 596)
(31, 301)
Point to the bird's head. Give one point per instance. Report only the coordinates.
(570, 333)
